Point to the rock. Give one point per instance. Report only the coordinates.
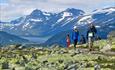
(75, 52)
(44, 62)
(13, 68)
(55, 46)
(72, 67)
(22, 63)
(21, 47)
(17, 62)
(5, 65)
(88, 65)
(25, 59)
(34, 56)
(28, 68)
(61, 52)
(97, 67)
(40, 49)
(100, 58)
(106, 48)
(60, 61)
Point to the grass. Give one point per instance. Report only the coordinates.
(88, 59)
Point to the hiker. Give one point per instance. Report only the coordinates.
(91, 35)
(75, 35)
(82, 39)
(68, 40)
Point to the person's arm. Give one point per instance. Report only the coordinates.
(95, 30)
(87, 35)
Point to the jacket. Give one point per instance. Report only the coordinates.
(75, 35)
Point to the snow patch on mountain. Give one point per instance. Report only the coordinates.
(98, 26)
(111, 26)
(36, 20)
(66, 14)
(67, 21)
(26, 26)
(108, 10)
(84, 20)
(108, 20)
(47, 14)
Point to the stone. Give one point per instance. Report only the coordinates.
(106, 48)
(44, 62)
(34, 56)
(60, 61)
(28, 68)
(97, 67)
(13, 68)
(72, 67)
(22, 63)
(5, 65)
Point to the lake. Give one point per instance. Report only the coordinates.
(36, 39)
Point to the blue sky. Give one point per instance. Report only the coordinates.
(11, 9)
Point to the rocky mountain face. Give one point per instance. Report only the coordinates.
(6, 38)
(40, 23)
(103, 20)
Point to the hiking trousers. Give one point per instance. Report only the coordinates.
(75, 43)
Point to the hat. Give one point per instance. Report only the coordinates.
(75, 27)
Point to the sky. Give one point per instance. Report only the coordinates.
(12, 9)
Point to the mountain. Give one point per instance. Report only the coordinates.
(6, 38)
(103, 19)
(40, 23)
(59, 38)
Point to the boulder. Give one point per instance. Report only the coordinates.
(97, 67)
(106, 48)
(5, 65)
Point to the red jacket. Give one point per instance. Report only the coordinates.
(68, 41)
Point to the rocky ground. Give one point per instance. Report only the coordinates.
(16, 57)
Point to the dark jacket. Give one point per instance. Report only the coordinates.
(92, 30)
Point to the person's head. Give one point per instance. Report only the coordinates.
(68, 35)
(75, 28)
(91, 25)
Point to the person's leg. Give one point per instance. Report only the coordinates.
(68, 44)
(89, 43)
(75, 43)
(92, 40)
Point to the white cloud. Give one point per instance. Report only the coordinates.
(16, 8)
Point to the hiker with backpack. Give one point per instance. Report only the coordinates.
(91, 35)
(68, 40)
(75, 36)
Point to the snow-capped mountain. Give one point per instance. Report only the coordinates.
(103, 19)
(40, 23)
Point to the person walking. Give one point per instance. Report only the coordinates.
(75, 35)
(68, 40)
(91, 32)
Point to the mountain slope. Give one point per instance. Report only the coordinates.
(103, 19)
(6, 38)
(40, 23)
